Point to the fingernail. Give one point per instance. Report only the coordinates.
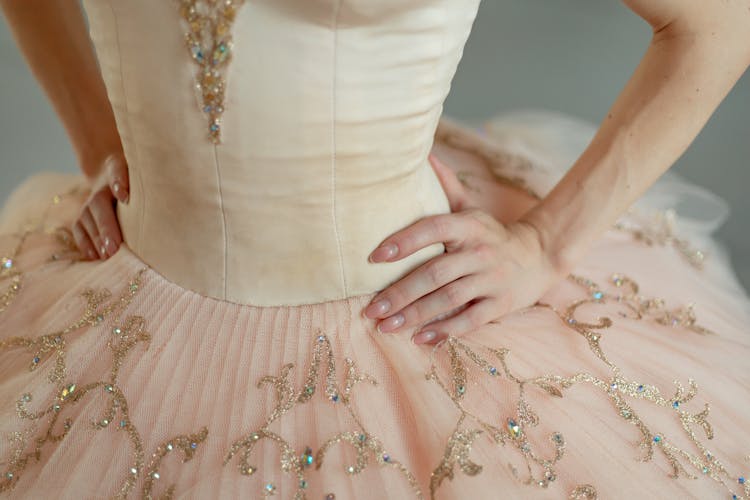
(116, 188)
(378, 308)
(424, 337)
(390, 324)
(92, 254)
(109, 244)
(384, 253)
(102, 251)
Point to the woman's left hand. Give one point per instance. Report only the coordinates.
(488, 270)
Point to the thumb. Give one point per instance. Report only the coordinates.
(454, 189)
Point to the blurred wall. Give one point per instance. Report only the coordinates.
(566, 55)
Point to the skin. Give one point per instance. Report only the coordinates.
(53, 36)
(699, 50)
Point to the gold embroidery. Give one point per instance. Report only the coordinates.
(461, 356)
(125, 336)
(364, 443)
(209, 41)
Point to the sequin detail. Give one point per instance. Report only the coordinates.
(366, 446)
(514, 429)
(209, 41)
(99, 307)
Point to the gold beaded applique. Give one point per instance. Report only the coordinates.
(287, 397)
(209, 41)
(516, 426)
(126, 334)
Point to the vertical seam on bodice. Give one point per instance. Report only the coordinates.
(223, 223)
(142, 209)
(336, 11)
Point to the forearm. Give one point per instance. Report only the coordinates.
(53, 37)
(681, 80)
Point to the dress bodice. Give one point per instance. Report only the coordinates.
(329, 111)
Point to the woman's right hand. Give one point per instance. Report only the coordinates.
(97, 230)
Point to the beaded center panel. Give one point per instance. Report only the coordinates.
(209, 41)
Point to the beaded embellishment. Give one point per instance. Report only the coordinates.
(209, 41)
(51, 418)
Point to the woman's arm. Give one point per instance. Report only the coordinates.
(53, 37)
(699, 50)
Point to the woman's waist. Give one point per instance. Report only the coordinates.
(278, 253)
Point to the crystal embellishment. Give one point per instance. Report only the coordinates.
(209, 42)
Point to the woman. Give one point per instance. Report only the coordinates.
(290, 299)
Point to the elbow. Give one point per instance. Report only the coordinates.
(726, 27)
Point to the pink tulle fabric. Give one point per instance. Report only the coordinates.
(206, 399)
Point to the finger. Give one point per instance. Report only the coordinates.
(450, 229)
(119, 180)
(88, 223)
(471, 318)
(427, 278)
(103, 211)
(454, 190)
(444, 300)
(83, 242)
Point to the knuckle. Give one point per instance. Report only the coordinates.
(442, 225)
(436, 272)
(483, 251)
(455, 294)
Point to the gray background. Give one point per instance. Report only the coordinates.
(565, 55)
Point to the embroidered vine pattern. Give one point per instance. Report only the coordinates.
(287, 397)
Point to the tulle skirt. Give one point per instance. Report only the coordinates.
(629, 379)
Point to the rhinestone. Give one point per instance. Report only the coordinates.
(350, 469)
(99, 318)
(255, 436)
(493, 370)
(705, 470)
(193, 445)
(108, 388)
(362, 437)
(270, 487)
(303, 484)
(133, 287)
(598, 295)
(26, 397)
(155, 475)
(9, 475)
(116, 330)
(67, 391)
(335, 398)
(35, 360)
(613, 386)
(741, 480)
(657, 438)
(249, 470)
(133, 471)
(460, 389)
(676, 404)
(7, 263)
(330, 496)
(170, 447)
(557, 438)
(56, 407)
(386, 457)
(321, 338)
(105, 422)
(309, 389)
(514, 428)
(640, 388)
(123, 423)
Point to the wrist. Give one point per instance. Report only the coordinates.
(559, 257)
